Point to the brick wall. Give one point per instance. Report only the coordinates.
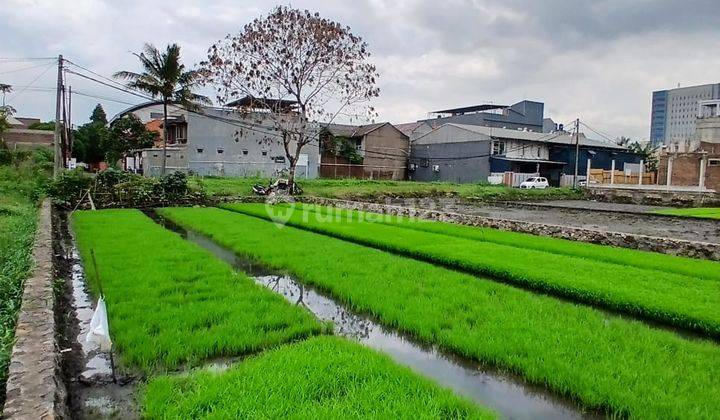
(686, 170)
(27, 139)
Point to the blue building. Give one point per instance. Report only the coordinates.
(675, 111)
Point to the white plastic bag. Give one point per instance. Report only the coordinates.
(99, 332)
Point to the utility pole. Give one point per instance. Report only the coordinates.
(69, 125)
(58, 158)
(577, 150)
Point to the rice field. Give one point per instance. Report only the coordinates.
(700, 212)
(616, 364)
(323, 377)
(173, 306)
(171, 303)
(683, 300)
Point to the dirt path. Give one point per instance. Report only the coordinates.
(638, 223)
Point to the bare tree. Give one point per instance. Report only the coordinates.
(301, 69)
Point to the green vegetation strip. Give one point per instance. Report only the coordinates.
(603, 361)
(20, 190)
(705, 269)
(172, 303)
(702, 212)
(323, 377)
(673, 299)
(368, 189)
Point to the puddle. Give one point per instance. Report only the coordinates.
(506, 394)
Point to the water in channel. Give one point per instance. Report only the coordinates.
(506, 394)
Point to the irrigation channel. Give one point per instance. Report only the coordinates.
(94, 390)
(506, 394)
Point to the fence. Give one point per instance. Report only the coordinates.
(510, 179)
(602, 176)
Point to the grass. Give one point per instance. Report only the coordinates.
(622, 366)
(323, 377)
(674, 299)
(705, 269)
(366, 189)
(171, 303)
(701, 212)
(19, 195)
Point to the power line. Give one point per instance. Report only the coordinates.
(23, 69)
(31, 83)
(10, 59)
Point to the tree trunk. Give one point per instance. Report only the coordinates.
(165, 137)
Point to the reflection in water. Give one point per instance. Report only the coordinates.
(506, 394)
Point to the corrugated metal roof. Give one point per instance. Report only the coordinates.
(558, 137)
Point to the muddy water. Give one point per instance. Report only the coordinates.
(506, 394)
(93, 390)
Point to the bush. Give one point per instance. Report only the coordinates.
(115, 188)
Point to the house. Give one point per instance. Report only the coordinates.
(375, 151)
(20, 136)
(218, 141)
(473, 153)
(698, 164)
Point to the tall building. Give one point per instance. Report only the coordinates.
(674, 112)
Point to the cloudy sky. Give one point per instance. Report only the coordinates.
(595, 60)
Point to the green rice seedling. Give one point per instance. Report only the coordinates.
(669, 298)
(323, 377)
(171, 303)
(701, 212)
(705, 269)
(605, 362)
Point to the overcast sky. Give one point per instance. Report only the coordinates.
(595, 60)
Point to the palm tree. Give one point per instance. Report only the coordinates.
(165, 77)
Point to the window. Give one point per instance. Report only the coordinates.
(155, 155)
(245, 152)
(155, 115)
(279, 159)
(498, 147)
(199, 150)
(220, 151)
(713, 162)
(264, 152)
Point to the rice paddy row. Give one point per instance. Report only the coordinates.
(679, 300)
(605, 362)
(172, 304)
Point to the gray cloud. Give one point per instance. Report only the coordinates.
(597, 60)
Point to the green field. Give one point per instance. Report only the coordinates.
(705, 269)
(618, 365)
(674, 299)
(701, 212)
(321, 378)
(365, 189)
(171, 303)
(19, 195)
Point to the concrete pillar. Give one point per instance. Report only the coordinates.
(612, 172)
(640, 174)
(668, 180)
(703, 162)
(587, 173)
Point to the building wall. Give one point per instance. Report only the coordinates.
(601, 159)
(176, 160)
(456, 165)
(250, 147)
(20, 138)
(386, 151)
(686, 170)
(519, 149)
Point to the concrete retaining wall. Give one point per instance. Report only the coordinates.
(654, 197)
(33, 386)
(692, 249)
